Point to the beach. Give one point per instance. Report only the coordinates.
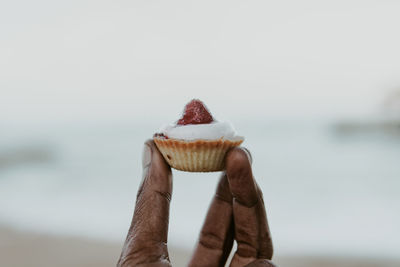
(23, 249)
(79, 194)
(313, 87)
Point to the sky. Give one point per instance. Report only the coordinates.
(128, 60)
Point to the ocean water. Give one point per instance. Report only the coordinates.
(325, 192)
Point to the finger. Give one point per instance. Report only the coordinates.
(148, 234)
(245, 199)
(261, 263)
(265, 240)
(216, 237)
(154, 195)
(245, 206)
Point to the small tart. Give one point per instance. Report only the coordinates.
(192, 154)
(197, 155)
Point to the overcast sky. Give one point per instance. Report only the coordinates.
(133, 59)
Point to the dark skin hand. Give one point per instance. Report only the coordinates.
(236, 212)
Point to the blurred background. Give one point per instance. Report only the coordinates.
(314, 86)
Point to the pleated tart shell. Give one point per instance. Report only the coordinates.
(196, 155)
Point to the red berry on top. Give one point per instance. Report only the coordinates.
(195, 112)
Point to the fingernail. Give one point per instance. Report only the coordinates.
(248, 154)
(146, 156)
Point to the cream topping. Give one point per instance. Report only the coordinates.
(209, 131)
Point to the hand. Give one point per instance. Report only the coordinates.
(237, 212)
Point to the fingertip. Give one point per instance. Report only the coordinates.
(156, 155)
(237, 160)
(248, 154)
(156, 171)
(146, 155)
(149, 142)
(240, 177)
(154, 164)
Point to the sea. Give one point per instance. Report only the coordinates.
(326, 192)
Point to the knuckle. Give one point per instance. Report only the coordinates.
(211, 240)
(246, 250)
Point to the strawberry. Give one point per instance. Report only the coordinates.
(195, 112)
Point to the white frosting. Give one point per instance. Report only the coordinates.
(210, 131)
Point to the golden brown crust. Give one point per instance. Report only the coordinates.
(197, 155)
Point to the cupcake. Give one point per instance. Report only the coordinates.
(196, 142)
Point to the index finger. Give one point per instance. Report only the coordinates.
(147, 236)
